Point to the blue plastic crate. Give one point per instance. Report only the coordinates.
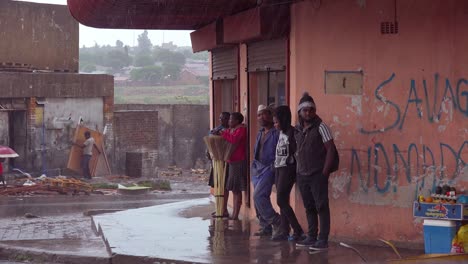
(438, 235)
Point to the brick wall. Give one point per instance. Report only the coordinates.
(135, 131)
(181, 129)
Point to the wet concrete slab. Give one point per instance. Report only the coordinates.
(183, 232)
(91, 251)
(61, 205)
(89, 248)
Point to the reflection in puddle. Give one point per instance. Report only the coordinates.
(184, 232)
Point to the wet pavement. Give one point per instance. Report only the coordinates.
(182, 232)
(62, 233)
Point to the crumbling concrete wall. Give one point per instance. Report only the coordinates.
(51, 105)
(61, 117)
(43, 36)
(180, 131)
(136, 132)
(4, 128)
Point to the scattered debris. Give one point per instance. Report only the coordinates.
(136, 189)
(29, 183)
(117, 177)
(174, 168)
(45, 185)
(354, 249)
(171, 173)
(29, 215)
(199, 171)
(392, 246)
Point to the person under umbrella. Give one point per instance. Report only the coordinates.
(5, 152)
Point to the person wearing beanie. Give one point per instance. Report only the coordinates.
(262, 173)
(315, 157)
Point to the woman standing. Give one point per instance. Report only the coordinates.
(285, 172)
(237, 168)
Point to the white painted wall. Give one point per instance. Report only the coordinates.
(61, 111)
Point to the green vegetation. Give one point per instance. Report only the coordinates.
(145, 54)
(153, 184)
(181, 94)
(23, 258)
(104, 185)
(163, 185)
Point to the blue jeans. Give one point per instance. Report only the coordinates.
(261, 196)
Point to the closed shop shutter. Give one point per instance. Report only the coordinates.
(267, 55)
(225, 63)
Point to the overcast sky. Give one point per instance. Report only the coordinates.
(89, 36)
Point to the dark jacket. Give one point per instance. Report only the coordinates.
(311, 152)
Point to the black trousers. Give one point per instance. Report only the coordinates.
(314, 192)
(285, 178)
(85, 166)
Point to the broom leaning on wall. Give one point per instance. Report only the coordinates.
(220, 151)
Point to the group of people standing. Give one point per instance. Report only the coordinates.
(284, 155)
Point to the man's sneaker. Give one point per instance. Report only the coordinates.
(279, 237)
(307, 242)
(297, 237)
(319, 245)
(263, 232)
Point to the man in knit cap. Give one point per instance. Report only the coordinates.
(315, 157)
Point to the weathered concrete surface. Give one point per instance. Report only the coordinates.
(183, 232)
(44, 36)
(62, 205)
(62, 234)
(42, 130)
(57, 251)
(4, 132)
(181, 129)
(55, 85)
(63, 239)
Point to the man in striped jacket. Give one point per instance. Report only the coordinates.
(315, 157)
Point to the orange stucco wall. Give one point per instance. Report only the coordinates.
(408, 130)
(412, 135)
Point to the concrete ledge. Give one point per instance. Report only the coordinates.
(100, 211)
(124, 259)
(12, 250)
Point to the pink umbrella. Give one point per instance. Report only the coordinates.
(7, 152)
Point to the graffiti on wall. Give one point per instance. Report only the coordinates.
(455, 94)
(384, 167)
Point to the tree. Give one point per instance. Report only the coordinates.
(204, 55)
(167, 56)
(119, 44)
(151, 74)
(144, 43)
(171, 71)
(86, 67)
(117, 59)
(142, 60)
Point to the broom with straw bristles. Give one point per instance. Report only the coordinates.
(220, 151)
